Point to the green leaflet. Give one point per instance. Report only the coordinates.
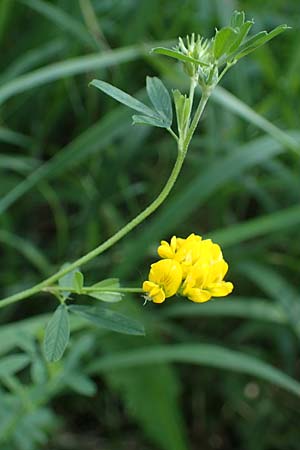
(57, 334)
(109, 319)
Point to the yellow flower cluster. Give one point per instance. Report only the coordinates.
(192, 267)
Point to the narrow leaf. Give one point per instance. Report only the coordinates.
(122, 97)
(57, 334)
(177, 55)
(160, 98)
(154, 121)
(107, 318)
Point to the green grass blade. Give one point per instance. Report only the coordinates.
(280, 220)
(229, 101)
(14, 138)
(27, 249)
(274, 285)
(199, 354)
(94, 139)
(242, 307)
(33, 58)
(63, 69)
(62, 20)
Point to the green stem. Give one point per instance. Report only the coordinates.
(191, 97)
(173, 134)
(182, 149)
(86, 290)
(107, 244)
(198, 113)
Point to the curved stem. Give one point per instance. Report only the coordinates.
(107, 244)
(182, 149)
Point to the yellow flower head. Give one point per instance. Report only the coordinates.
(205, 280)
(165, 278)
(192, 267)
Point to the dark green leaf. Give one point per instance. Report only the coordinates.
(109, 319)
(122, 97)
(57, 334)
(160, 98)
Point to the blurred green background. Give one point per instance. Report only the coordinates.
(74, 170)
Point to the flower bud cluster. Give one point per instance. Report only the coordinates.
(200, 49)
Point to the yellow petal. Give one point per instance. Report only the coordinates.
(217, 272)
(197, 295)
(166, 250)
(155, 292)
(167, 274)
(221, 289)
